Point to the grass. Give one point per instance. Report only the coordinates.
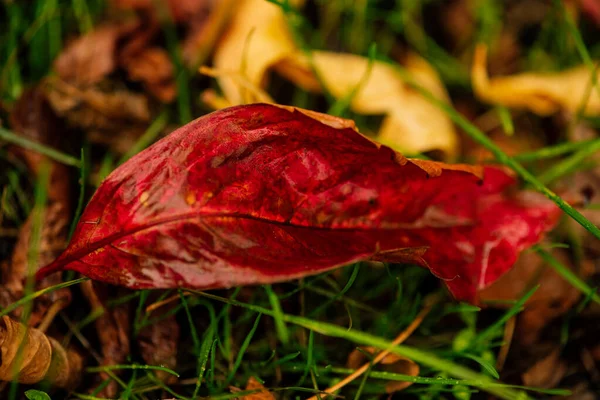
(296, 336)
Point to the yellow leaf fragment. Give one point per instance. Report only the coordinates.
(259, 39)
(412, 123)
(542, 93)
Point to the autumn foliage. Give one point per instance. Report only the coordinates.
(260, 194)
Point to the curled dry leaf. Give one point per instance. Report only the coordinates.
(33, 118)
(113, 330)
(391, 362)
(260, 193)
(258, 39)
(542, 93)
(114, 117)
(35, 357)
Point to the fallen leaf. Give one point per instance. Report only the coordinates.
(32, 117)
(391, 363)
(259, 39)
(154, 68)
(553, 298)
(412, 123)
(547, 372)
(35, 357)
(111, 116)
(113, 330)
(542, 93)
(91, 57)
(261, 193)
(93, 108)
(261, 392)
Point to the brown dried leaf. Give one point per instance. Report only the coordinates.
(261, 394)
(109, 115)
(93, 108)
(554, 297)
(542, 93)
(153, 67)
(52, 242)
(33, 118)
(35, 357)
(547, 372)
(391, 362)
(90, 58)
(112, 327)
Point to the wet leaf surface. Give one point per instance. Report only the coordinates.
(259, 194)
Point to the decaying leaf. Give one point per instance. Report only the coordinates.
(111, 116)
(261, 193)
(113, 330)
(29, 356)
(261, 392)
(90, 58)
(33, 118)
(547, 372)
(542, 93)
(154, 68)
(553, 298)
(259, 39)
(391, 363)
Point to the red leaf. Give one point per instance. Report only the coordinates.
(261, 193)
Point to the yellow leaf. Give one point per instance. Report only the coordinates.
(412, 124)
(259, 39)
(542, 93)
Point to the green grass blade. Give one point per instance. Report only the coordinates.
(54, 154)
(205, 348)
(30, 297)
(282, 330)
(84, 173)
(106, 368)
(569, 276)
(570, 164)
(244, 347)
(362, 338)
